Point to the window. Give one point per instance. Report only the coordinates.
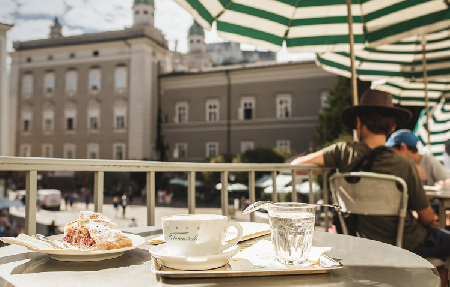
(284, 144)
(212, 111)
(212, 149)
(95, 53)
(49, 82)
(48, 117)
(50, 57)
(120, 114)
(71, 81)
(181, 113)
(119, 151)
(283, 106)
(94, 118)
(69, 151)
(47, 150)
(198, 41)
(121, 78)
(25, 150)
(245, 146)
(94, 80)
(27, 85)
(93, 151)
(145, 12)
(70, 116)
(72, 55)
(26, 120)
(136, 12)
(28, 60)
(247, 108)
(180, 150)
(191, 41)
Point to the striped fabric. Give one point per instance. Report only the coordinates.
(399, 61)
(407, 93)
(318, 25)
(439, 128)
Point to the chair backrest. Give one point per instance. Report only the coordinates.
(368, 193)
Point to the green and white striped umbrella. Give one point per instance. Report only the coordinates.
(408, 93)
(439, 129)
(318, 25)
(399, 61)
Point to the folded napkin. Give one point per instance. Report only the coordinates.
(251, 230)
(262, 256)
(35, 244)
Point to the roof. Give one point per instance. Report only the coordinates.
(149, 2)
(129, 33)
(246, 66)
(196, 29)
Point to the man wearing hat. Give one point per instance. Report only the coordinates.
(374, 119)
(404, 143)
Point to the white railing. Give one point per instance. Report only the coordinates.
(32, 165)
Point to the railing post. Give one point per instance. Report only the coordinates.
(191, 192)
(150, 188)
(31, 202)
(99, 177)
(274, 186)
(311, 191)
(251, 193)
(294, 186)
(224, 192)
(326, 200)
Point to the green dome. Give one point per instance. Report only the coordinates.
(196, 29)
(149, 2)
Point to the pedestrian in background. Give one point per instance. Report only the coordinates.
(124, 204)
(116, 206)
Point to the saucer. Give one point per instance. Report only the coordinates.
(163, 253)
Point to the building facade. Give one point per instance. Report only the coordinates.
(117, 94)
(229, 53)
(231, 110)
(5, 134)
(89, 96)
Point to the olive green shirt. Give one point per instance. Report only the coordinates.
(345, 156)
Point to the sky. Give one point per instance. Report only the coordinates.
(32, 19)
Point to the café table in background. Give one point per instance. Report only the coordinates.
(443, 196)
(366, 263)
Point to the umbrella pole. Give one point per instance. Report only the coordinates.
(351, 42)
(425, 79)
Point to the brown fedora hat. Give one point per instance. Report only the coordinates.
(374, 100)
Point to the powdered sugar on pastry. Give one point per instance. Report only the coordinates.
(94, 231)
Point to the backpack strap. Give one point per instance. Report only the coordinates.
(366, 163)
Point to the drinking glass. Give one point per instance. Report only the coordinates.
(292, 227)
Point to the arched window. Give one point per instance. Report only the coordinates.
(120, 115)
(48, 118)
(26, 118)
(70, 116)
(93, 114)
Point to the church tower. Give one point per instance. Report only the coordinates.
(55, 29)
(196, 39)
(144, 12)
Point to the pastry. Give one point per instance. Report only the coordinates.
(94, 231)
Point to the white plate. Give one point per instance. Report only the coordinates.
(163, 253)
(81, 255)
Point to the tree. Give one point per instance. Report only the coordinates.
(329, 125)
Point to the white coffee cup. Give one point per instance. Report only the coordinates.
(198, 234)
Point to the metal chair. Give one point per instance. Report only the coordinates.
(368, 193)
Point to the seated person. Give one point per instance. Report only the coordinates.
(374, 119)
(404, 143)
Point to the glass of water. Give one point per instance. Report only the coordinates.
(292, 227)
